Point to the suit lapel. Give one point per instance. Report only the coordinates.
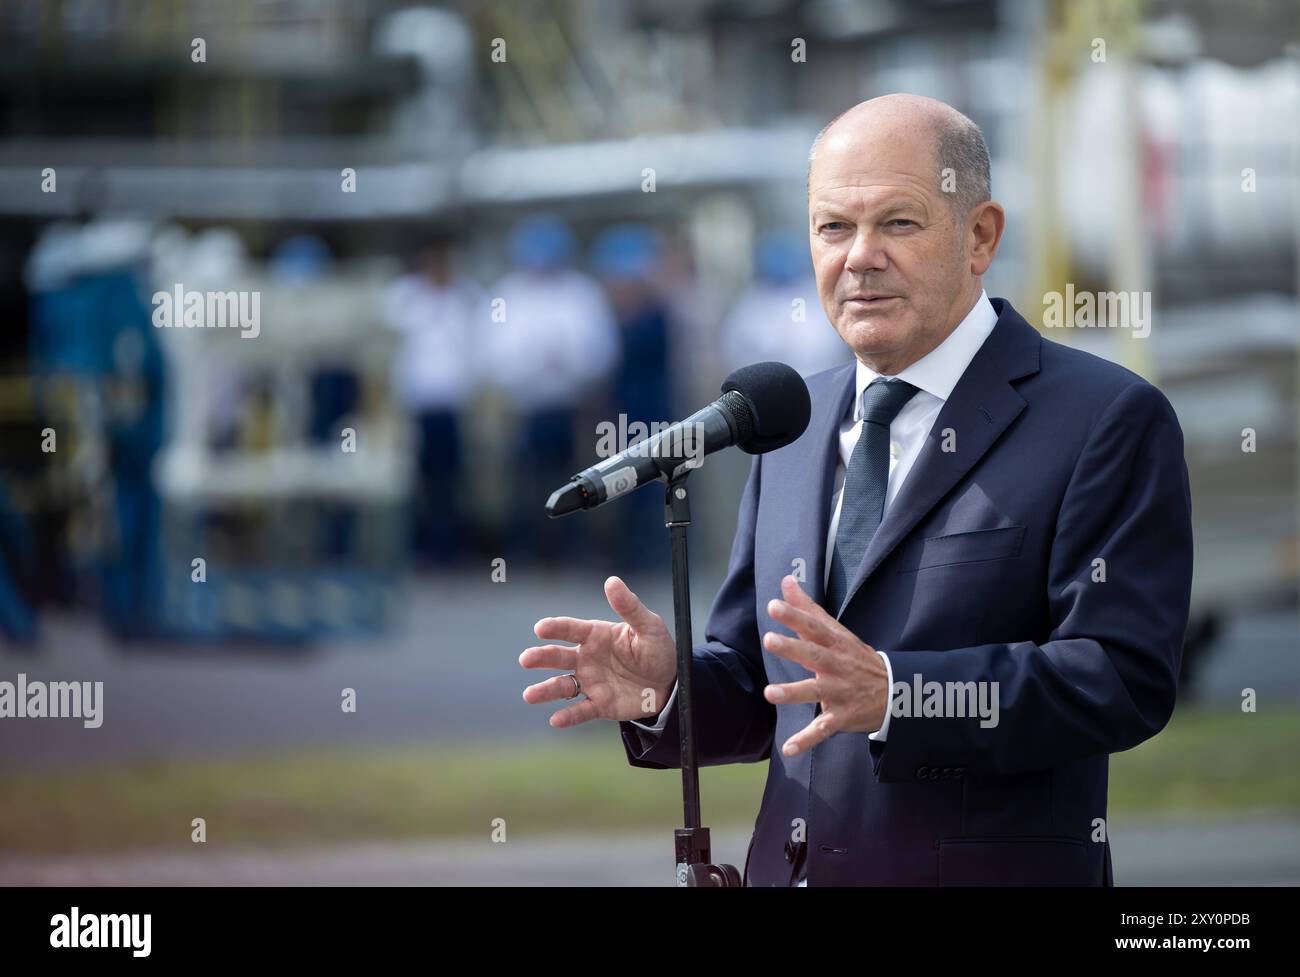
(821, 443)
(983, 405)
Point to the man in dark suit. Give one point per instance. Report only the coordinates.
(956, 594)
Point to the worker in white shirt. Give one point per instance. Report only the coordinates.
(440, 315)
(551, 342)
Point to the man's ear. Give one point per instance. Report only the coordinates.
(986, 223)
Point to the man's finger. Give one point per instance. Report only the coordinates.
(628, 606)
(796, 595)
(784, 694)
(549, 656)
(810, 656)
(579, 712)
(820, 729)
(807, 626)
(559, 687)
(563, 629)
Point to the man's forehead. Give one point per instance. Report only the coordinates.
(901, 138)
(864, 159)
(868, 189)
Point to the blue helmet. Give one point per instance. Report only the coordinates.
(625, 252)
(542, 242)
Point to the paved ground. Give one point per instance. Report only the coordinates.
(1180, 853)
(449, 672)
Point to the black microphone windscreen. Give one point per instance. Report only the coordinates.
(777, 398)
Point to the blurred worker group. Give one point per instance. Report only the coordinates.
(379, 414)
(565, 340)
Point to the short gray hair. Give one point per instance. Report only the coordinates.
(960, 147)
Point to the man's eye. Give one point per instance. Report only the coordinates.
(900, 221)
(833, 226)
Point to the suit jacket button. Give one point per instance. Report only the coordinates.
(922, 773)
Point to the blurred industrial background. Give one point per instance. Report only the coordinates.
(230, 527)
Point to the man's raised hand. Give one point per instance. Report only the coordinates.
(849, 678)
(626, 669)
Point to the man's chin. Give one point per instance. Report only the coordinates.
(874, 335)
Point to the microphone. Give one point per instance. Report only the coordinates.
(763, 407)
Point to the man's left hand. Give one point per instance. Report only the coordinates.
(849, 678)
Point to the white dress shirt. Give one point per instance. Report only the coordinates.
(934, 375)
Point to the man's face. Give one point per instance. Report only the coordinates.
(889, 254)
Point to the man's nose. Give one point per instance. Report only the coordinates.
(866, 254)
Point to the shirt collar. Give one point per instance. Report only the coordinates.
(938, 371)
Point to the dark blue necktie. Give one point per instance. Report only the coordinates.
(865, 483)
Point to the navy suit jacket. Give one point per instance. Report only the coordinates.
(985, 569)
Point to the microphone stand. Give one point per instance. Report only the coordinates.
(691, 842)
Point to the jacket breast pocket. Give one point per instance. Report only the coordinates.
(976, 546)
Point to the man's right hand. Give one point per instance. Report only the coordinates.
(626, 669)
